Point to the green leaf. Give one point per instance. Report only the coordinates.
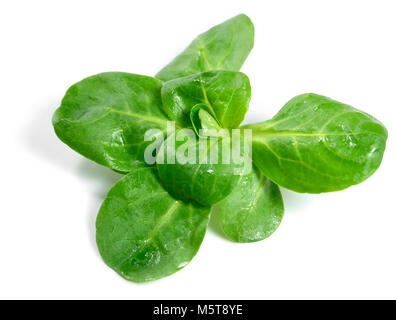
(105, 117)
(196, 169)
(315, 144)
(226, 93)
(143, 233)
(253, 210)
(224, 47)
(204, 123)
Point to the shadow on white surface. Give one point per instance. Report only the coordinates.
(253, 116)
(257, 113)
(294, 201)
(40, 139)
(101, 180)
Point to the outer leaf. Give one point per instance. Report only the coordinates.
(104, 117)
(227, 95)
(206, 183)
(253, 210)
(145, 234)
(315, 144)
(224, 47)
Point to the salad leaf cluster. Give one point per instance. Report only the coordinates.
(153, 220)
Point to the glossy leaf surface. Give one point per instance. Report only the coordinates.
(227, 95)
(143, 233)
(105, 117)
(315, 144)
(223, 47)
(253, 210)
(197, 176)
(204, 123)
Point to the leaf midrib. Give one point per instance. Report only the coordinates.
(162, 221)
(139, 116)
(262, 134)
(202, 51)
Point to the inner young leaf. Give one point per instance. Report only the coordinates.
(204, 123)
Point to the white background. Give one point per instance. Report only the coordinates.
(337, 245)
